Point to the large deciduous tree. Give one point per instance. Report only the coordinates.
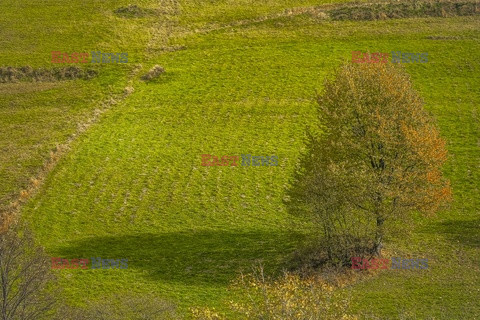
(377, 156)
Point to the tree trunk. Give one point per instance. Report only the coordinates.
(377, 249)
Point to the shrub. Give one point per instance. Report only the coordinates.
(27, 73)
(290, 297)
(133, 11)
(404, 9)
(155, 72)
(206, 314)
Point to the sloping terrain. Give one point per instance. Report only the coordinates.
(132, 185)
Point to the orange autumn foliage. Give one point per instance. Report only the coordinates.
(376, 155)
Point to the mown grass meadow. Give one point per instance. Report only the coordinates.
(132, 185)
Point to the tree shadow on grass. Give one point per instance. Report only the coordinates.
(467, 232)
(203, 257)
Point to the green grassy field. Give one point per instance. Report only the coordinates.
(132, 185)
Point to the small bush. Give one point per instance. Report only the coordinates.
(290, 297)
(206, 314)
(27, 73)
(443, 38)
(120, 307)
(133, 11)
(317, 255)
(155, 72)
(407, 9)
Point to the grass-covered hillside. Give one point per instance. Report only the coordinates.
(240, 78)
